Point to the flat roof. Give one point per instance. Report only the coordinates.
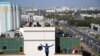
(7, 3)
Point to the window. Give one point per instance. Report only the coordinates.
(21, 49)
(95, 28)
(4, 47)
(1, 52)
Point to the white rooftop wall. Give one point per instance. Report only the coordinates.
(31, 48)
(39, 33)
(34, 36)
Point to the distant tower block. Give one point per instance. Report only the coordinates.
(9, 17)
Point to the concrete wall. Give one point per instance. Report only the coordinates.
(39, 33)
(34, 36)
(31, 48)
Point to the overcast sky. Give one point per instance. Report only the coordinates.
(56, 3)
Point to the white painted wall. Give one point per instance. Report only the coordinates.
(34, 36)
(31, 48)
(39, 33)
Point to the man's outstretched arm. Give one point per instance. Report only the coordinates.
(51, 45)
(42, 45)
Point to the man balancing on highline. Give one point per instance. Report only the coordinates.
(46, 49)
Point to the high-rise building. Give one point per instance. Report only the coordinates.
(9, 16)
(18, 16)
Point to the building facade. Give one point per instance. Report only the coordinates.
(9, 16)
(34, 36)
(95, 27)
(11, 46)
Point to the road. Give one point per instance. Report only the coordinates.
(89, 41)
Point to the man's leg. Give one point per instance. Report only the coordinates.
(47, 53)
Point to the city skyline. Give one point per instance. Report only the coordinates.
(56, 3)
